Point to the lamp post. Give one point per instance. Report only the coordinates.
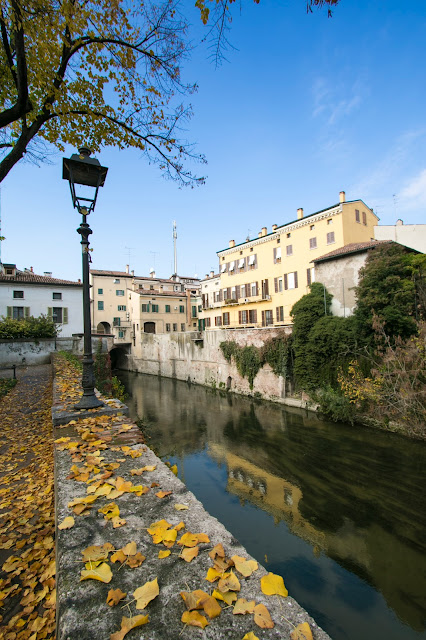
(83, 170)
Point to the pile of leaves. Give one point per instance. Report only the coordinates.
(6, 385)
(27, 576)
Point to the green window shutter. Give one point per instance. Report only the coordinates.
(65, 315)
(26, 312)
(9, 312)
(50, 313)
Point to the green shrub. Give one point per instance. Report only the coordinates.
(30, 328)
(6, 385)
(278, 353)
(118, 390)
(334, 405)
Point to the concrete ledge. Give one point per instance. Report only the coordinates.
(63, 413)
(82, 612)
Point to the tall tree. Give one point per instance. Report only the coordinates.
(102, 72)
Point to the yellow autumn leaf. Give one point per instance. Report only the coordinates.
(163, 494)
(96, 552)
(174, 469)
(169, 535)
(123, 485)
(244, 566)
(118, 522)
(262, 617)
(194, 619)
(114, 596)
(158, 526)
(250, 636)
(67, 523)
(213, 575)
(127, 624)
(302, 632)
(189, 553)
(202, 537)
(217, 550)
(229, 597)
(179, 526)
(110, 511)
(229, 583)
(143, 595)
(181, 507)
(243, 606)
(102, 573)
(211, 607)
(188, 540)
(272, 584)
(118, 556)
(135, 561)
(164, 554)
(129, 549)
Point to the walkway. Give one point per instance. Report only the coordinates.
(27, 552)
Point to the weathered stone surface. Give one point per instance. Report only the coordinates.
(82, 610)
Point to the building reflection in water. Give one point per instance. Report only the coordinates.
(355, 496)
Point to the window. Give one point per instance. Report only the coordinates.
(223, 269)
(312, 227)
(243, 291)
(155, 308)
(231, 266)
(290, 280)
(278, 240)
(312, 243)
(56, 296)
(208, 322)
(253, 316)
(116, 322)
(145, 308)
(18, 313)
(19, 294)
(224, 293)
(167, 326)
(121, 307)
(119, 292)
(243, 317)
(364, 218)
(225, 318)
(289, 235)
(167, 309)
(252, 262)
(100, 292)
(278, 285)
(241, 264)
(289, 250)
(182, 326)
(151, 287)
(330, 237)
(174, 326)
(218, 321)
(253, 287)
(310, 275)
(194, 311)
(280, 314)
(116, 281)
(277, 255)
(100, 305)
(357, 216)
(267, 318)
(57, 315)
(181, 308)
(121, 333)
(330, 221)
(200, 308)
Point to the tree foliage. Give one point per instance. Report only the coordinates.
(310, 308)
(387, 290)
(102, 73)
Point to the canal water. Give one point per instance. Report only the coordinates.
(338, 511)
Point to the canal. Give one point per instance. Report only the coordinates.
(338, 511)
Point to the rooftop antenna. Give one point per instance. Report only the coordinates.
(174, 247)
(129, 251)
(154, 253)
(395, 204)
(248, 235)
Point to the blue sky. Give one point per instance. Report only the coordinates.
(305, 107)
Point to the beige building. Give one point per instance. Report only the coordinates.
(211, 297)
(125, 305)
(261, 279)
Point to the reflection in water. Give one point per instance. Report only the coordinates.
(338, 511)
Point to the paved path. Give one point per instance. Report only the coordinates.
(27, 508)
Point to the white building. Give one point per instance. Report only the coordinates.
(409, 235)
(24, 294)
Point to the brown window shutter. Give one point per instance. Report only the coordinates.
(277, 313)
(257, 288)
(295, 280)
(220, 296)
(254, 315)
(285, 282)
(239, 317)
(237, 291)
(263, 319)
(267, 286)
(276, 285)
(308, 274)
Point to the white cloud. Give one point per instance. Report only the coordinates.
(415, 191)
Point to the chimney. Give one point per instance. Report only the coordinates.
(31, 269)
(211, 274)
(399, 222)
(342, 196)
(133, 272)
(264, 231)
(152, 273)
(79, 281)
(300, 214)
(231, 244)
(259, 235)
(127, 268)
(274, 227)
(48, 274)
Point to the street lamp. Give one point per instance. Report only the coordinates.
(83, 170)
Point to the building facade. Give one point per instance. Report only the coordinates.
(261, 279)
(412, 236)
(24, 294)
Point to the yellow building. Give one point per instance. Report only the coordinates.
(261, 279)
